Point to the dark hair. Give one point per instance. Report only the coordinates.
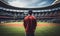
(30, 12)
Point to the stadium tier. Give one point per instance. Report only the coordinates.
(46, 14)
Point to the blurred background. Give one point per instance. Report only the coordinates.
(12, 13)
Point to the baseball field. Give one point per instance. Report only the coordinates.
(17, 29)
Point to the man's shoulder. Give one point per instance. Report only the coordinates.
(33, 17)
(26, 17)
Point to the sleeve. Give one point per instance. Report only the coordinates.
(24, 23)
(35, 23)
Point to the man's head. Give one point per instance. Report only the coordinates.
(30, 12)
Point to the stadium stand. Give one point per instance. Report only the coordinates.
(44, 14)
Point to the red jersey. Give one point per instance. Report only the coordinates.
(30, 23)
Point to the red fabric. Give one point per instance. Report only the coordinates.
(30, 23)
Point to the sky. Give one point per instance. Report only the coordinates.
(30, 3)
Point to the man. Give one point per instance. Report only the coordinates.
(30, 24)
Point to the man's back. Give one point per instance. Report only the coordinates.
(30, 23)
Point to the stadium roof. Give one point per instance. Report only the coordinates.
(5, 5)
(30, 3)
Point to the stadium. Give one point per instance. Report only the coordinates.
(11, 19)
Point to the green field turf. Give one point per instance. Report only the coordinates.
(19, 31)
(22, 23)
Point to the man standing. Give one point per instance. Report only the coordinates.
(30, 24)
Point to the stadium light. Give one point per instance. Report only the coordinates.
(1, 7)
(17, 10)
(14, 10)
(11, 10)
(45, 10)
(26, 10)
(7, 9)
(4, 8)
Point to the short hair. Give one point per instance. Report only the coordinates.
(30, 12)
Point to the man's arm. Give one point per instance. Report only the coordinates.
(24, 23)
(35, 23)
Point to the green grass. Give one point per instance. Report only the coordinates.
(48, 31)
(11, 31)
(22, 23)
(40, 31)
(14, 23)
